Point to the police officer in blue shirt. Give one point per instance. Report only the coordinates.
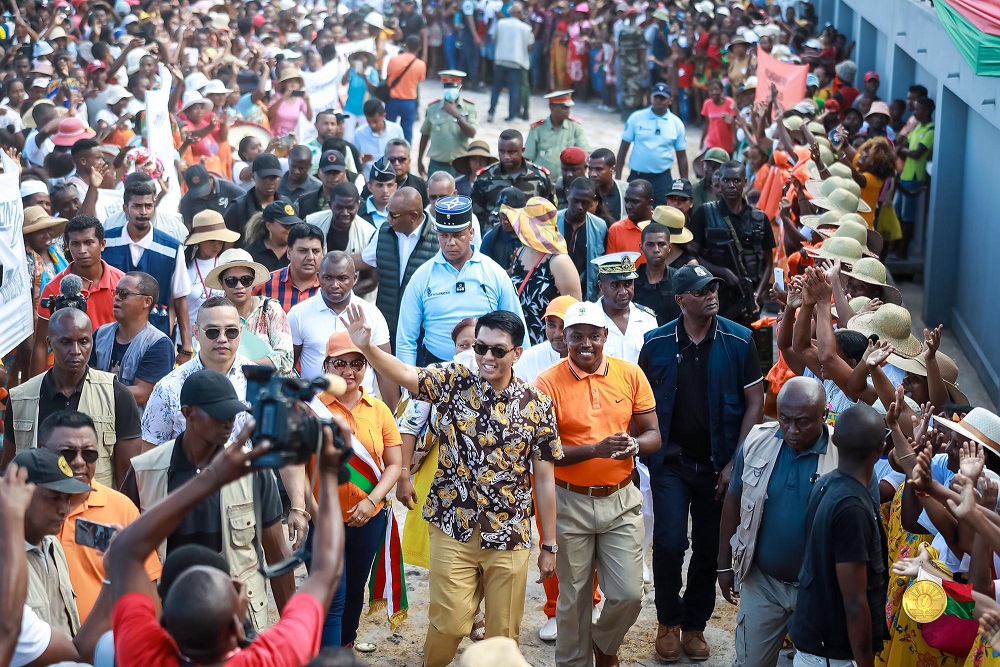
(458, 282)
(658, 135)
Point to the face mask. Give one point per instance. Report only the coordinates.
(450, 94)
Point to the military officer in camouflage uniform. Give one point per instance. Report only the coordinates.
(449, 124)
(549, 137)
(511, 170)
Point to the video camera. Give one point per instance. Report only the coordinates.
(285, 420)
(70, 295)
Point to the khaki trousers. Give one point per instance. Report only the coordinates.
(606, 532)
(766, 605)
(462, 575)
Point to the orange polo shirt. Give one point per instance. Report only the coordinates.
(592, 406)
(86, 566)
(406, 88)
(375, 428)
(100, 297)
(625, 236)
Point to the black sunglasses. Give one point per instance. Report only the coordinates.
(233, 281)
(705, 291)
(340, 364)
(88, 455)
(124, 294)
(482, 348)
(212, 333)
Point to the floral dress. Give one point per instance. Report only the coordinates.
(536, 287)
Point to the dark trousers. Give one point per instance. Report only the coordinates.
(468, 54)
(403, 112)
(679, 487)
(511, 78)
(360, 546)
(660, 182)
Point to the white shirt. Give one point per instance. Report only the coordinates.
(169, 223)
(32, 640)
(626, 345)
(313, 322)
(35, 154)
(407, 244)
(197, 272)
(180, 283)
(535, 360)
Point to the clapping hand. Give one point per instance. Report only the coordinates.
(932, 341)
(966, 489)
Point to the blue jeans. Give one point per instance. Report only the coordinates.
(450, 52)
(539, 67)
(511, 78)
(469, 58)
(403, 112)
(360, 546)
(679, 486)
(684, 104)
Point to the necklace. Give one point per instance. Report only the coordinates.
(197, 267)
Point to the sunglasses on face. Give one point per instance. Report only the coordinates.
(232, 281)
(397, 159)
(340, 364)
(88, 455)
(705, 291)
(124, 294)
(212, 333)
(482, 348)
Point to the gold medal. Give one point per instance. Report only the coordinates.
(924, 601)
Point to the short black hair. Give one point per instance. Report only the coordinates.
(584, 186)
(927, 103)
(853, 110)
(304, 230)
(146, 284)
(214, 302)
(918, 90)
(412, 43)
(506, 321)
(511, 135)
(82, 146)
(138, 189)
(336, 656)
(860, 433)
(852, 343)
(345, 189)
(299, 152)
(604, 154)
(373, 108)
(325, 112)
(64, 419)
(81, 223)
(654, 228)
(733, 164)
(643, 185)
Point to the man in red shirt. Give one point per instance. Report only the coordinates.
(204, 609)
(85, 242)
(626, 234)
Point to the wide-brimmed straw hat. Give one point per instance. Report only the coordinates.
(856, 304)
(947, 366)
(477, 148)
(231, 259)
(892, 324)
(842, 200)
(820, 188)
(870, 270)
(817, 221)
(36, 219)
(979, 425)
(673, 219)
(844, 248)
(290, 73)
(867, 237)
(238, 131)
(210, 226)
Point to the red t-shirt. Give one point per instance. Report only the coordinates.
(719, 133)
(685, 71)
(140, 640)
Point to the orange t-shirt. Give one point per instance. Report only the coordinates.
(406, 87)
(86, 566)
(625, 236)
(375, 428)
(590, 407)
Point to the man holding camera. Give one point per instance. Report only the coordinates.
(241, 520)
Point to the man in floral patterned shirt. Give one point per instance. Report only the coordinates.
(479, 506)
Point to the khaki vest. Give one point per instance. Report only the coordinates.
(38, 597)
(240, 537)
(760, 451)
(97, 400)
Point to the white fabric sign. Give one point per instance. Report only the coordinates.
(15, 292)
(160, 139)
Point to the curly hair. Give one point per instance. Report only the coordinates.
(881, 157)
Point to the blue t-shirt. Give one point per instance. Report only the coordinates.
(356, 91)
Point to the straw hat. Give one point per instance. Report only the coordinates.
(868, 238)
(674, 220)
(476, 148)
(36, 219)
(840, 169)
(239, 130)
(980, 425)
(816, 221)
(209, 225)
(28, 120)
(375, 20)
(290, 73)
(856, 304)
(842, 200)
(846, 249)
(232, 258)
(891, 323)
(820, 188)
(870, 270)
(947, 366)
(493, 652)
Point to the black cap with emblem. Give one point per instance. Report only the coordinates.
(197, 180)
(383, 171)
(281, 211)
(453, 213)
(332, 160)
(49, 471)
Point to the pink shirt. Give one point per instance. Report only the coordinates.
(287, 116)
(719, 133)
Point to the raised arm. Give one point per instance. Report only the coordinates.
(384, 363)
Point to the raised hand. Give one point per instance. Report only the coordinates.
(15, 493)
(358, 327)
(870, 307)
(794, 298)
(932, 341)
(895, 408)
(989, 626)
(971, 460)
(920, 476)
(879, 355)
(966, 489)
(988, 493)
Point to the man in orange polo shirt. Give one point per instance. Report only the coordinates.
(72, 435)
(626, 234)
(403, 73)
(605, 412)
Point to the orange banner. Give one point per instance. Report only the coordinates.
(790, 80)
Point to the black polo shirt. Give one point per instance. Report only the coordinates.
(203, 524)
(127, 416)
(690, 427)
(411, 24)
(222, 195)
(264, 255)
(658, 297)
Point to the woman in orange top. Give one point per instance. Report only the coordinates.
(364, 513)
(871, 165)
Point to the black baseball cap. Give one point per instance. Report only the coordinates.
(281, 211)
(332, 160)
(383, 171)
(661, 89)
(691, 278)
(198, 180)
(212, 392)
(50, 471)
(266, 165)
(681, 187)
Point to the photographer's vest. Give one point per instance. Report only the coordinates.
(104, 343)
(749, 242)
(97, 401)
(240, 519)
(158, 260)
(390, 285)
(39, 600)
(760, 451)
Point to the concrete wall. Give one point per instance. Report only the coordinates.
(904, 41)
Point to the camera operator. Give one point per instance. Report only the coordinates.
(241, 520)
(202, 611)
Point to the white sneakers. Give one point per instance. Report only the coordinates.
(547, 633)
(647, 572)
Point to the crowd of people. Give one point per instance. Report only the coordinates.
(542, 343)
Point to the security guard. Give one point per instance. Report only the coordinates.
(627, 321)
(655, 136)
(548, 138)
(449, 124)
(512, 170)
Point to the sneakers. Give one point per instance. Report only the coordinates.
(548, 633)
(695, 645)
(668, 642)
(647, 573)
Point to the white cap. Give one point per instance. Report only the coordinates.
(33, 187)
(216, 87)
(116, 94)
(585, 312)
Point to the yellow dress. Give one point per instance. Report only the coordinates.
(982, 654)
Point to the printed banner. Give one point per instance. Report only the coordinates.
(15, 285)
(789, 78)
(160, 139)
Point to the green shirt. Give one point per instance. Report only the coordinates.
(545, 143)
(915, 169)
(446, 139)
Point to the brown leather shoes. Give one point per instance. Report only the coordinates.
(695, 645)
(668, 642)
(602, 659)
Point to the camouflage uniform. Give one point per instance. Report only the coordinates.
(631, 52)
(532, 179)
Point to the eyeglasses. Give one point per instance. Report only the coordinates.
(124, 294)
(705, 291)
(212, 333)
(397, 159)
(482, 348)
(232, 281)
(88, 455)
(340, 364)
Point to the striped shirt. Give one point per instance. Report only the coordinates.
(280, 288)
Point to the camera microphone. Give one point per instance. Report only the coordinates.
(71, 286)
(70, 295)
(332, 385)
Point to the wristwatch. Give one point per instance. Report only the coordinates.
(551, 548)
